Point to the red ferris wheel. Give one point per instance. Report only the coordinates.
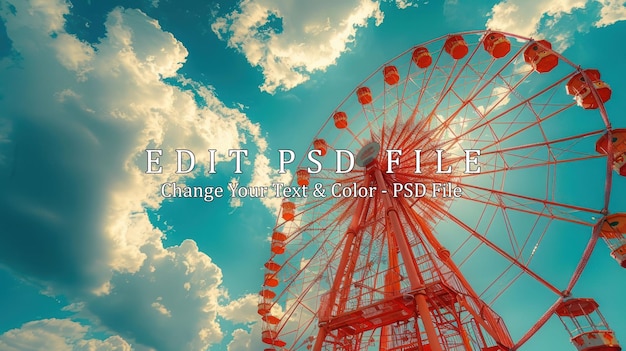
(474, 157)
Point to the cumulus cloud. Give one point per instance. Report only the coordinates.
(242, 341)
(173, 299)
(612, 11)
(74, 191)
(57, 335)
(264, 175)
(543, 18)
(403, 4)
(97, 125)
(243, 310)
(288, 43)
(500, 97)
(524, 17)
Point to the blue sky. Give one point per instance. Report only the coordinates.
(92, 258)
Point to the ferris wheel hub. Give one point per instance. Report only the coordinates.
(367, 154)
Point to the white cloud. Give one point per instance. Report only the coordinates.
(173, 298)
(46, 16)
(75, 205)
(242, 310)
(159, 307)
(524, 17)
(500, 96)
(72, 53)
(234, 201)
(403, 4)
(289, 43)
(57, 335)
(247, 340)
(242, 341)
(537, 18)
(612, 11)
(264, 175)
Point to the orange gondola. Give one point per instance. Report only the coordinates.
(581, 88)
(541, 57)
(278, 243)
(320, 144)
(289, 210)
(456, 47)
(618, 140)
(422, 57)
(303, 177)
(364, 94)
(341, 119)
(497, 44)
(586, 325)
(391, 75)
(613, 231)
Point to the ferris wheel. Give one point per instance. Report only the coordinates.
(467, 173)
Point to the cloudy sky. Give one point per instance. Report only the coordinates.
(91, 257)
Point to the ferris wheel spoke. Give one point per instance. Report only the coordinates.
(510, 265)
(323, 234)
(364, 134)
(585, 258)
(575, 138)
(325, 266)
(422, 90)
(486, 122)
(299, 271)
(477, 89)
(463, 286)
(405, 82)
(538, 163)
(482, 218)
(528, 261)
(391, 110)
(331, 174)
(448, 87)
(515, 206)
(511, 200)
(315, 207)
(510, 90)
(525, 126)
(540, 323)
(483, 112)
(499, 251)
(496, 280)
(293, 308)
(355, 137)
(537, 114)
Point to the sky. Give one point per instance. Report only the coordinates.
(93, 258)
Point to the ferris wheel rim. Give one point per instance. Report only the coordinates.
(608, 180)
